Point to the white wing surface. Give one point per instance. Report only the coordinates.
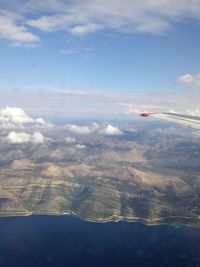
(185, 120)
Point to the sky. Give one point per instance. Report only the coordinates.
(100, 56)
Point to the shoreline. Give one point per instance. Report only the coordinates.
(147, 222)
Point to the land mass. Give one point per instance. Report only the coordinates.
(145, 175)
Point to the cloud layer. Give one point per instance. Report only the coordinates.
(18, 18)
(88, 16)
(95, 105)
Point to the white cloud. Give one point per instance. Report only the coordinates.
(190, 80)
(13, 117)
(79, 146)
(18, 138)
(70, 140)
(70, 51)
(22, 137)
(96, 105)
(75, 50)
(17, 34)
(40, 121)
(49, 23)
(94, 128)
(111, 130)
(83, 29)
(82, 17)
(82, 129)
(37, 138)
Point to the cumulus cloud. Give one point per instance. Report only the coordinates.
(79, 146)
(94, 128)
(37, 138)
(111, 130)
(22, 137)
(13, 117)
(190, 80)
(82, 129)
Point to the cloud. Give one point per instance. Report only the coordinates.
(77, 104)
(37, 138)
(94, 128)
(49, 23)
(84, 29)
(82, 129)
(22, 137)
(79, 146)
(13, 117)
(81, 17)
(17, 19)
(16, 33)
(190, 80)
(70, 140)
(75, 50)
(70, 51)
(111, 130)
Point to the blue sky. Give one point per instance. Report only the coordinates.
(127, 46)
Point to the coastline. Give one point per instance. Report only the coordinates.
(177, 220)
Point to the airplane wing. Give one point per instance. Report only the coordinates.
(185, 120)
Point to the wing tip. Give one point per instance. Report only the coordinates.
(147, 114)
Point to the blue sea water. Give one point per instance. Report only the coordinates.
(62, 241)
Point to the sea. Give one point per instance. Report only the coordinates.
(66, 241)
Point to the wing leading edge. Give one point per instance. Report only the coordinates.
(185, 120)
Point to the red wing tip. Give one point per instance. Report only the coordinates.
(146, 114)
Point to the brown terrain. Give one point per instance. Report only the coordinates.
(146, 175)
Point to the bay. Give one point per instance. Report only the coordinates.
(61, 241)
